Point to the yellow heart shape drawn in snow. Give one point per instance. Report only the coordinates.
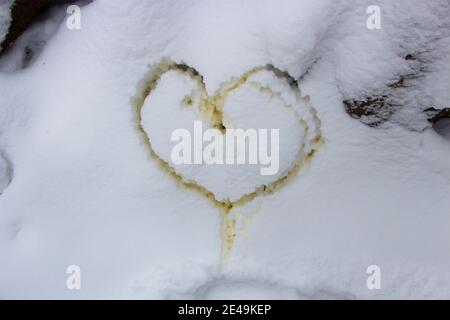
(277, 87)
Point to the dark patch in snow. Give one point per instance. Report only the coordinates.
(22, 14)
(376, 109)
(380, 107)
(372, 111)
(6, 172)
(440, 118)
(442, 127)
(29, 31)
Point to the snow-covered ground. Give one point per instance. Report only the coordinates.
(78, 185)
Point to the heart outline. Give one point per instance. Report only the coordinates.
(214, 104)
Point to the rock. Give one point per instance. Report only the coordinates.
(375, 109)
(372, 111)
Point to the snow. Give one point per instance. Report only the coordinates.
(86, 191)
